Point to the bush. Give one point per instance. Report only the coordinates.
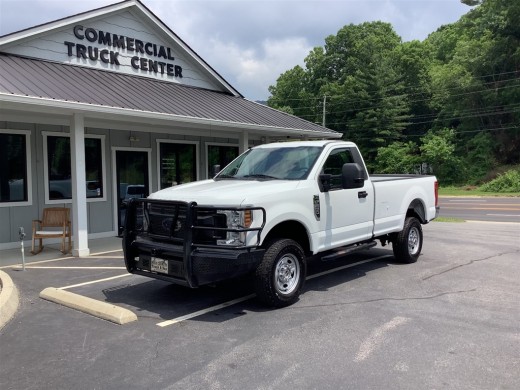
(397, 158)
(507, 182)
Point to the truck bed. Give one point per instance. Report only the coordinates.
(378, 177)
(393, 196)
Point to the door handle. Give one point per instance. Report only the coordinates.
(362, 194)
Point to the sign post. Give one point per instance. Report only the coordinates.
(21, 234)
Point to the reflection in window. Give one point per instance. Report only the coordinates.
(177, 164)
(220, 155)
(59, 168)
(93, 166)
(13, 175)
(334, 166)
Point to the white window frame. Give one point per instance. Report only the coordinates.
(182, 142)
(206, 153)
(28, 168)
(46, 134)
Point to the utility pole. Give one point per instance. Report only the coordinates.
(324, 104)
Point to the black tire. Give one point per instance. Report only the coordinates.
(280, 276)
(407, 244)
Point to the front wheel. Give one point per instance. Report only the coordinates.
(407, 244)
(280, 276)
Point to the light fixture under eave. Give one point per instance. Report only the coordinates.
(133, 139)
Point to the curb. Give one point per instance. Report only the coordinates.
(9, 299)
(90, 306)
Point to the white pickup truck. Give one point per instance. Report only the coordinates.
(269, 210)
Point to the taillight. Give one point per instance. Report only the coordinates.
(436, 193)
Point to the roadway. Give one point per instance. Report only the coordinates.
(481, 209)
(363, 322)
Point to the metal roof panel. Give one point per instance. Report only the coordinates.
(58, 81)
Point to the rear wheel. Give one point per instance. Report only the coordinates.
(407, 244)
(280, 276)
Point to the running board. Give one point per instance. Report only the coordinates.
(349, 250)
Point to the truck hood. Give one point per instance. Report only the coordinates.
(225, 192)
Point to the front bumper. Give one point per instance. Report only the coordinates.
(199, 267)
(177, 242)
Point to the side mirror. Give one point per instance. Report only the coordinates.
(215, 170)
(352, 176)
(325, 181)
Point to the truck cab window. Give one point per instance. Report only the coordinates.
(334, 164)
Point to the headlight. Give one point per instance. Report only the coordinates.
(236, 219)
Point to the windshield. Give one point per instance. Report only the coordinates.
(290, 163)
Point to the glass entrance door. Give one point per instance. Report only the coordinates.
(132, 180)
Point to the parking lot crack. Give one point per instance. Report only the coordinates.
(471, 262)
(387, 299)
(154, 357)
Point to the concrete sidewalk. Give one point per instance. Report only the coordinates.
(13, 257)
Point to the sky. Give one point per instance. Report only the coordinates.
(250, 42)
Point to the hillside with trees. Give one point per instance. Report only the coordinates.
(449, 105)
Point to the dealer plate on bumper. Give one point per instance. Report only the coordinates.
(159, 265)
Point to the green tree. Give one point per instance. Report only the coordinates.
(398, 157)
(358, 73)
(437, 150)
(475, 78)
(383, 93)
(291, 94)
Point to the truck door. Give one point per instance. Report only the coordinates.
(346, 215)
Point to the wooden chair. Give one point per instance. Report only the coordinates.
(55, 223)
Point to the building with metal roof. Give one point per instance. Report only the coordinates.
(111, 104)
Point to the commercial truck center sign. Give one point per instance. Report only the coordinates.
(120, 42)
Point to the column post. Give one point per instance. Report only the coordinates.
(79, 188)
(243, 142)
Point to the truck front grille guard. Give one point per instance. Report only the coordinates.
(138, 240)
(230, 230)
(183, 233)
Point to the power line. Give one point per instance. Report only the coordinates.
(411, 94)
(412, 101)
(455, 132)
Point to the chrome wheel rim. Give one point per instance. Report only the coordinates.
(287, 274)
(414, 241)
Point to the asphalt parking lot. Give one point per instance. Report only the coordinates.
(451, 320)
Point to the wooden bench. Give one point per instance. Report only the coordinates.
(55, 223)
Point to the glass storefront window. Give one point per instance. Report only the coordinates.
(220, 155)
(13, 175)
(94, 167)
(178, 164)
(59, 167)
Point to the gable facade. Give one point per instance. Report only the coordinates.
(111, 104)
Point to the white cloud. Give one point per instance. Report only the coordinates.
(251, 42)
(254, 69)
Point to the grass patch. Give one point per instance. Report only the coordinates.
(472, 191)
(448, 219)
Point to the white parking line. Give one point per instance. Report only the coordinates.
(247, 297)
(106, 252)
(503, 215)
(467, 201)
(94, 256)
(93, 281)
(54, 267)
(204, 311)
(377, 337)
(37, 262)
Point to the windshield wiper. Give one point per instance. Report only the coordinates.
(260, 176)
(225, 177)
